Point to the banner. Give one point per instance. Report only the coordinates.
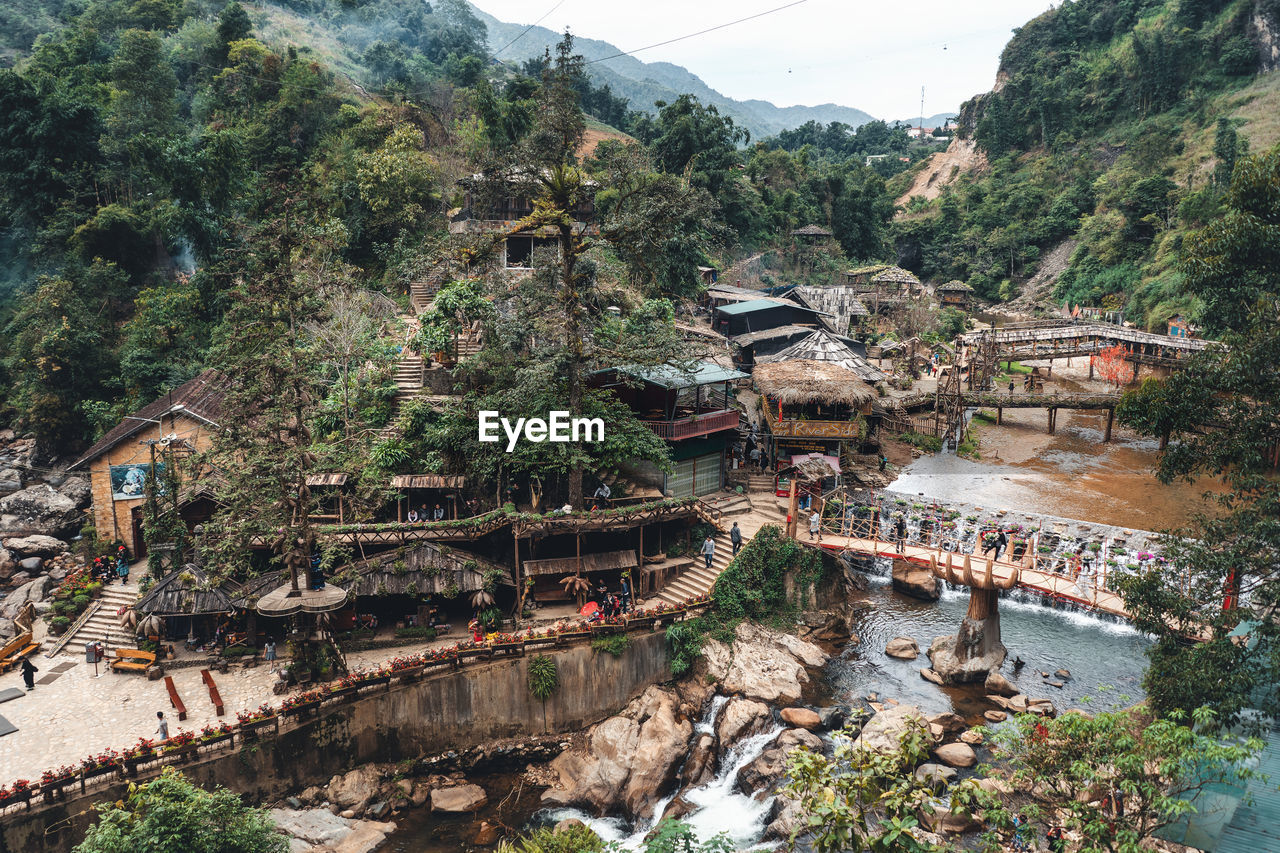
(129, 482)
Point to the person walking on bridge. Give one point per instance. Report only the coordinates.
(815, 525)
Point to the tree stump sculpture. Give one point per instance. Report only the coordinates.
(975, 649)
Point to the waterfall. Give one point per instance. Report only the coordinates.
(718, 808)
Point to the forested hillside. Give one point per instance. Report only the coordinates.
(156, 155)
(1114, 124)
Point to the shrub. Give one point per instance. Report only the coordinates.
(614, 644)
(59, 624)
(80, 602)
(417, 631)
(543, 676)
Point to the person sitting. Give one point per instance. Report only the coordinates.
(602, 494)
(413, 516)
(437, 514)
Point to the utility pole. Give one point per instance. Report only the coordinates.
(921, 128)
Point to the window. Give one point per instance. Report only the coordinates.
(521, 248)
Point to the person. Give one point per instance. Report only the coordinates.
(626, 594)
(476, 633)
(815, 526)
(1019, 832)
(1010, 386)
(900, 529)
(884, 462)
(755, 457)
(269, 653)
(735, 537)
(1057, 840)
(764, 460)
(122, 568)
(163, 729)
(604, 492)
(437, 514)
(413, 516)
(708, 550)
(423, 513)
(29, 674)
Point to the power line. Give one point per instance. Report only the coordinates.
(526, 31)
(698, 33)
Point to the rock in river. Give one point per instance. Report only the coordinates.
(903, 648)
(883, 732)
(460, 798)
(801, 718)
(916, 581)
(956, 755)
(765, 665)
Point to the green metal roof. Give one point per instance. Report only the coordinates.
(670, 376)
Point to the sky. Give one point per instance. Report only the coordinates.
(869, 54)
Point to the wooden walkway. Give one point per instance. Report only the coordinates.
(1045, 583)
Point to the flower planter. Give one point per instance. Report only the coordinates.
(571, 636)
(180, 754)
(213, 740)
(342, 692)
(301, 709)
(641, 622)
(90, 773)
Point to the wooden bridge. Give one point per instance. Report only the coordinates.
(1068, 340)
(1038, 400)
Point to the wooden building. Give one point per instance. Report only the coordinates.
(495, 205)
(184, 420)
(955, 294)
(825, 347)
(841, 305)
(755, 315)
(814, 406)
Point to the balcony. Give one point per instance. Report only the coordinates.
(693, 426)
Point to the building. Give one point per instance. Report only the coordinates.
(823, 346)
(1181, 327)
(183, 420)
(694, 413)
(843, 309)
(955, 294)
(757, 315)
(883, 286)
(812, 234)
(814, 406)
(496, 206)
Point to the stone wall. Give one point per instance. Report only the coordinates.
(448, 710)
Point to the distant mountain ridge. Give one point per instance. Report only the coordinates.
(642, 83)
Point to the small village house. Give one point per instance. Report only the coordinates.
(955, 294)
(493, 205)
(758, 314)
(183, 420)
(814, 406)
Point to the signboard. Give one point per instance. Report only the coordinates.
(129, 482)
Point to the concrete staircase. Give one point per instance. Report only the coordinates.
(699, 579)
(409, 374)
(729, 503)
(105, 622)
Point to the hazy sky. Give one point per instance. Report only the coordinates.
(869, 54)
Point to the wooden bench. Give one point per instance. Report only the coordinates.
(15, 650)
(132, 660)
(214, 696)
(174, 699)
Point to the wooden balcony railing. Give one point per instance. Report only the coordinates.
(693, 426)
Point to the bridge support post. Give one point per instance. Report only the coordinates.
(1111, 417)
(999, 414)
(1090, 367)
(1053, 420)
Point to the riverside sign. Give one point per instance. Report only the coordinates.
(558, 427)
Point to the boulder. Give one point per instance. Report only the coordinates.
(629, 760)
(762, 664)
(998, 701)
(1042, 708)
(354, 790)
(973, 737)
(40, 509)
(801, 718)
(460, 798)
(1064, 674)
(999, 685)
(1017, 704)
(995, 716)
(785, 817)
(883, 732)
(741, 718)
(703, 761)
(971, 654)
(10, 481)
(31, 565)
(314, 826)
(949, 722)
(769, 766)
(77, 489)
(34, 545)
(956, 755)
(566, 825)
(939, 817)
(7, 562)
(678, 808)
(903, 648)
(936, 776)
(929, 675)
(835, 716)
(487, 834)
(915, 581)
(366, 836)
(33, 591)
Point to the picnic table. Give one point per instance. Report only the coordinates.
(132, 660)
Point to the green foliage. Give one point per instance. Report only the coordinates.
(927, 443)
(543, 676)
(1076, 758)
(417, 632)
(614, 644)
(171, 815)
(576, 839)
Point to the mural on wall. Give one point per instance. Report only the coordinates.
(129, 482)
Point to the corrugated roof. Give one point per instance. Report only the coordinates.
(824, 346)
(770, 334)
(337, 479)
(754, 305)
(200, 397)
(670, 376)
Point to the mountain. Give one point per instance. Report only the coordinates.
(935, 120)
(642, 83)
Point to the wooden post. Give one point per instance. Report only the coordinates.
(791, 508)
(1053, 419)
(515, 617)
(999, 414)
(1111, 416)
(1090, 367)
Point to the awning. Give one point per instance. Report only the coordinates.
(815, 465)
(428, 481)
(280, 602)
(326, 479)
(604, 562)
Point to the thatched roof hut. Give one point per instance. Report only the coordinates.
(811, 231)
(895, 275)
(955, 286)
(802, 381)
(185, 592)
(826, 347)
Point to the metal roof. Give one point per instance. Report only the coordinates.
(670, 376)
(760, 305)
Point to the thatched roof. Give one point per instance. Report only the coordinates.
(826, 347)
(811, 231)
(424, 569)
(955, 285)
(895, 275)
(807, 381)
(870, 269)
(335, 479)
(428, 481)
(609, 560)
(185, 592)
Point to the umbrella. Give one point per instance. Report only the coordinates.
(589, 608)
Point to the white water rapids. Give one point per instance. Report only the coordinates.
(718, 807)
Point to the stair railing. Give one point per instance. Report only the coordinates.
(74, 629)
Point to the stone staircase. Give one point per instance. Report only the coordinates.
(409, 374)
(729, 503)
(105, 622)
(699, 579)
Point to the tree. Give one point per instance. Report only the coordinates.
(171, 815)
(233, 25)
(347, 336)
(1113, 777)
(860, 799)
(1110, 365)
